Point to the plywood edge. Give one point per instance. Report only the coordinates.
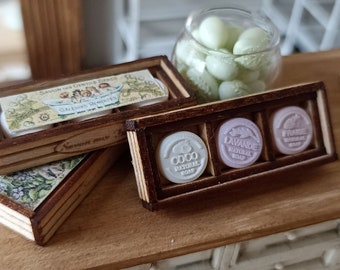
(65, 200)
(16, 221)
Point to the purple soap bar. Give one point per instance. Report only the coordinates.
(292, 130)
(181, 157)
(239, 142)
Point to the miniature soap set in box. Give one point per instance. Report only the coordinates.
(187, 152)
(233, 55)
(63, 127)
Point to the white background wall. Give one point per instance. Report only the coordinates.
(99, 26)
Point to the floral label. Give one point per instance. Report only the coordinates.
(70, 101)
(31, 187)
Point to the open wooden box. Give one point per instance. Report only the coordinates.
(145, 133)
(38, 219)
(68, 139)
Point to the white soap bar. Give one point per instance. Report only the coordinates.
(157, 99)
(213, 32)
(181, 157)
(10, 134)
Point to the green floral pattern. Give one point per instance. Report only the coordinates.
(30, 187)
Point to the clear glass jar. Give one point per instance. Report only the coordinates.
(227, 52)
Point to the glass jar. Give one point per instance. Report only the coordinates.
(227, 52)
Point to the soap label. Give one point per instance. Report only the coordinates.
(239, 142)
(31, 187)
(182, 157)
(67, 102)
(292, 128)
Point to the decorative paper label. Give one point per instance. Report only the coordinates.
(66, 102)
(31, 187)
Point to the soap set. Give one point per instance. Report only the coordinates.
(190, 151)
(59, 138)
(52, 120)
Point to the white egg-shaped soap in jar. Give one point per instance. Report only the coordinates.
(204, 83)
(213, 32)
(221, 65)
(232, 89)
(252, 40)
(189, 54)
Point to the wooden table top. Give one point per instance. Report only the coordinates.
(111, 229)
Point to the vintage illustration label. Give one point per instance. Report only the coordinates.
(31, 187)
(67, 102)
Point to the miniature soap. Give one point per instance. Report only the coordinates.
(232, 89)
(213, 32)
(8, 133)
(189, 54)
(207, 84)
(292, 130)
(86, 98)
(221, 66)
(161, 98)
(251, 40)
(181, 157)
(239, 142)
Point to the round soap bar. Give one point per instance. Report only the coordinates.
(239, 142)
(10, 134)
(213, 32)
(292, 130)
(181, 157)
(221, 67)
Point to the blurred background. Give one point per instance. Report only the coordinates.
(116, 31)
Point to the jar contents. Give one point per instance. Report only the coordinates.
(224, 57)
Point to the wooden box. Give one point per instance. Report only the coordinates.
(38, 205)
(70, 138)
(146, 133)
